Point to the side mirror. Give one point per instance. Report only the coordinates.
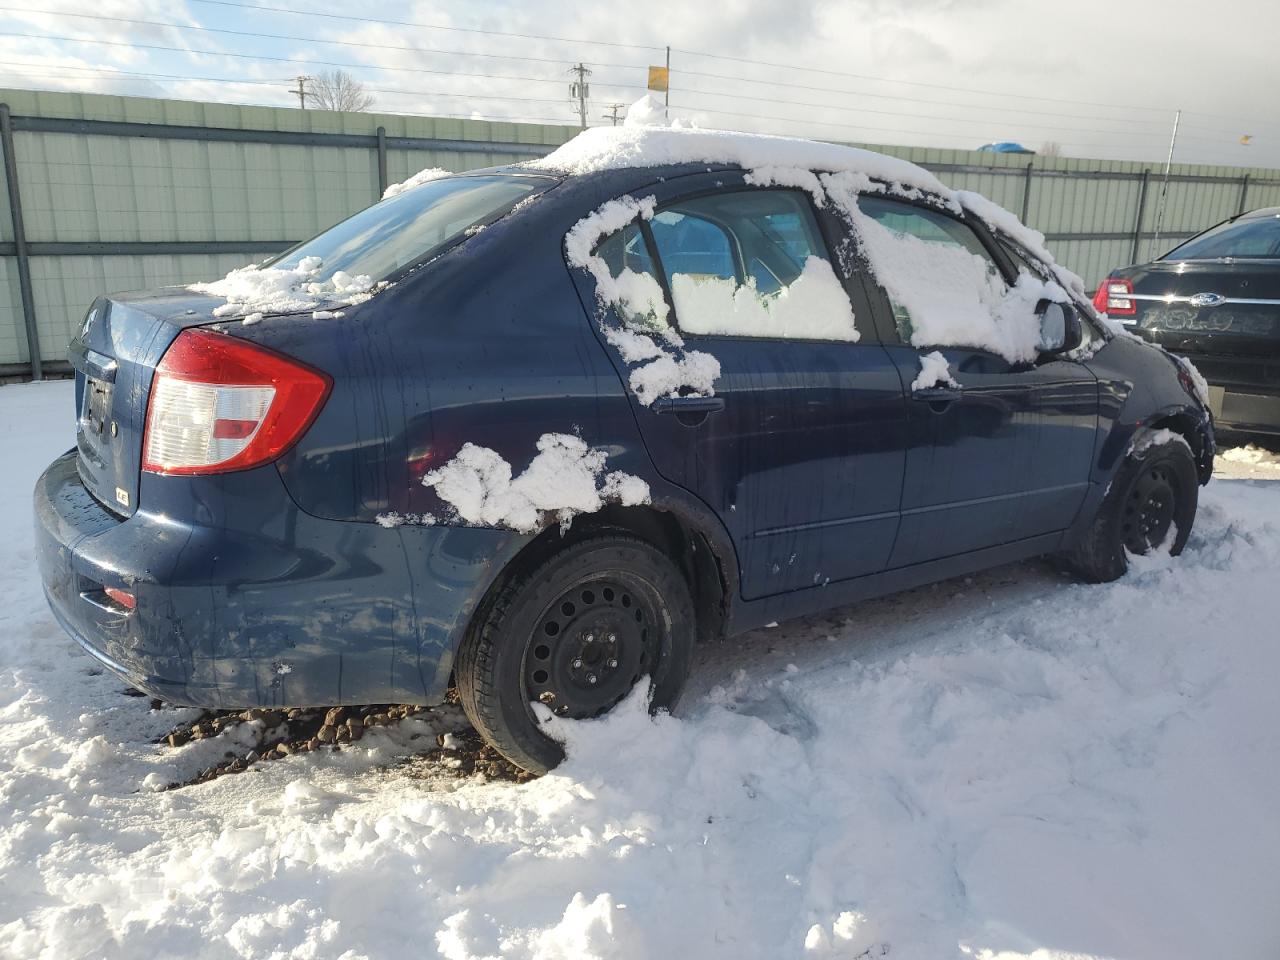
(1060, 329)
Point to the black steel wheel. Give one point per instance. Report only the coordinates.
(592, 644)
(1151, 503)
(576, 633)
(1147, 514)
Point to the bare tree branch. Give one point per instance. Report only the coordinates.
(339, 90)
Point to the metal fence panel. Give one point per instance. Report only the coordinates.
(178, 191)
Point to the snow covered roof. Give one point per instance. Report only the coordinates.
(616, 148)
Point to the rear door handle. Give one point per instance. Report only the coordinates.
(939, 398)
(702, 405)
(934, 394)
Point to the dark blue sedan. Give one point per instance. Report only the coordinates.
(534, 431)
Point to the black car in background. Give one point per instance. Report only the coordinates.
(1214, 299)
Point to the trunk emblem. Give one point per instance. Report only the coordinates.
(122, 496)
(1207, 300)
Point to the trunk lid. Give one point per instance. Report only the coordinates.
(114, 354)
(1227, 308)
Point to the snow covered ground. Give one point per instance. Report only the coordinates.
(1004, 766)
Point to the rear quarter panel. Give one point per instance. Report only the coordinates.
(487, 344)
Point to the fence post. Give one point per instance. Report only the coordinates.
(20, 241)
(1137, 218)
(1244, 193)
(1026, 195)
(382, 161)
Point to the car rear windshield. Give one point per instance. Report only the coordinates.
(383, 239)
(1255, 238)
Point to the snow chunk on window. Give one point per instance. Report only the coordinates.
(952, 296)
(934, 370)
(255, 290)
(393, 518)
(417, 180)
(1000, 220)
(639, 301)
(815, 306)
(564, 479)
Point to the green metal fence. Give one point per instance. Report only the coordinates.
(115, 193)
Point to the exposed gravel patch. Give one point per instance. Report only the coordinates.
(261, 735)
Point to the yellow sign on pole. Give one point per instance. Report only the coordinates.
(658, 78)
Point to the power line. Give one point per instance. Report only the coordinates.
(425, 26)
(108, 72)
(894, 130)
(322, 63)
(280, 36)
(919, 116)
(914, 83)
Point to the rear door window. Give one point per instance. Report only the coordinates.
(751, 264)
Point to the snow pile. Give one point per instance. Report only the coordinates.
(796, 177)
(610, 148)
(255, 290)
(646, 336)
(1008, 765)
(417, 180)
(934, 370)
(648, 111)
(1249, 462)
(565, 478)
(814, 306)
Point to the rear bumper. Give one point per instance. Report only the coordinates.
(1245, 410)
(259, 603)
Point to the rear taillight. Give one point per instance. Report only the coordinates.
(1115, 297)
(218, 404)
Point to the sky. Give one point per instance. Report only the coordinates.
(1097, 79)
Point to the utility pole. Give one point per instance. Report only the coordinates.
(613, 109)
(579, 90)
(301, 91)
(666, 94)
(1155, 241)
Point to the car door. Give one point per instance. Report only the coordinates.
(1003, 454)
(801, 450)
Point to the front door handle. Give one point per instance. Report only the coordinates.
(702, 405)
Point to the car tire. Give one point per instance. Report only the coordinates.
(612, 608)
(1154, 491)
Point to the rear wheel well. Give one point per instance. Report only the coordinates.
(1192, 430)
(678, 539)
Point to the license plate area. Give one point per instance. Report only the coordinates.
(95, 417)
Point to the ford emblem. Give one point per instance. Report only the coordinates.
(1207, 300)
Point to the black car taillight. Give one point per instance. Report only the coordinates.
(1115, 297)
